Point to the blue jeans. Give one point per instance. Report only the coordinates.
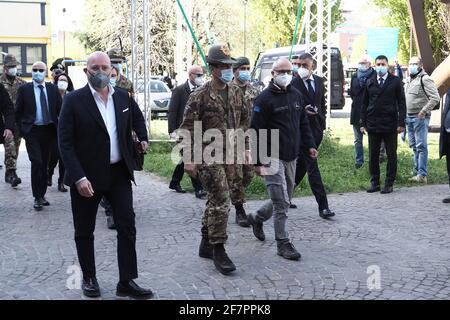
(359, 151)
(417, 136)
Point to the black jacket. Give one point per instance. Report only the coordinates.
(180, 96)
(6, 112)
(84, 141)
(383, 109)
(442, 140)
(282, 110)
(356, 92)
(26, 106)
(317, 122)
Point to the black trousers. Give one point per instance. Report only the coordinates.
(84, 212)
(305, 164)
(38, 142)
(53, 162)
(447, 152)
(177, 176)
(390, 143)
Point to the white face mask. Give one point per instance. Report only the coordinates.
(12, 72)
(303, 73)
(62, 85)
(283, 80)
(199, 81)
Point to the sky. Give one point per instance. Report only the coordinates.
(74, 10)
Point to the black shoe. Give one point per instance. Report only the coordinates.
(200, 194)
(387, 189)
(446, 200)
(8, 175)
(110, 222)
(90, 288)
(326, 213)
(177, 188)
(374, 188)
(358, 165)
(61, 187)
(221, 260)
(44, 202)
(241, 217)
(206, 249)
(37, 205)
(132, 290)
(257, 227)
(49, 181)
(288, 251)
(292, 206)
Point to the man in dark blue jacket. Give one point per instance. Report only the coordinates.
(279, 109)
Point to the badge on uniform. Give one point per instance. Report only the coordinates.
(256, 109)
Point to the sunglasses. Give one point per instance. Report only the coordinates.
(39, 70)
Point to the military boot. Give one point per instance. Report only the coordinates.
(241, 217)
(8, 175)
(206, 249)
(257, 226)
(221, 260)
(14, 179)
(287, 250)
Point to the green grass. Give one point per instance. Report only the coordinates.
(336, 162)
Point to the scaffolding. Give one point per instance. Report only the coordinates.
(318, 40)
(140, 53)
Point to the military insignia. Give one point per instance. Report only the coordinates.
(225, 50)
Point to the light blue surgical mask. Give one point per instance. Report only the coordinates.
(381, 70)
(413, 69)
(113, 81)
(118, 66)
(294, 68)
(226, 75)
(363, 67)
(244, 76)
(38, 76)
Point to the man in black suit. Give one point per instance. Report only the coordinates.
(180, 96)
(6, 116)
(37, 109)
(313, 90)
(96, 147)
(444, 139)
(383, 116)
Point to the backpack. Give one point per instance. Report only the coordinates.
(436, 107)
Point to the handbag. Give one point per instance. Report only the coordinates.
(138, 154)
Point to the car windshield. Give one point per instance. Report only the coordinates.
(155, 87)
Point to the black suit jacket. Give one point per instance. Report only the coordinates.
(6, 112)
(26, 106)
(317, 122)
(84, 141)
(384, 108)
(180, 96)
(356, 92)
(442, 140)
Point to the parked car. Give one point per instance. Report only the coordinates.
(160, 95)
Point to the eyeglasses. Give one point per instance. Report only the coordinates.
(283, 71)
(198, 75)
(39, 70)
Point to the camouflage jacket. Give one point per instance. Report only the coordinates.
(13, 87)
(251, 92)
(207, 106)
(126, 84)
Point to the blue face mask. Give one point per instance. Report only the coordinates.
(294, 68)
(113, 81)
(381, 70)
(244, 76)
(38, 76)
(118, 66)
(413, 70)
(363, 68)
(226, 75)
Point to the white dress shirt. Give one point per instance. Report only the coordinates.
(384, 78)
(312, 82)
(191, 86)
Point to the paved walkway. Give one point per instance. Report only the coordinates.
(403, 237)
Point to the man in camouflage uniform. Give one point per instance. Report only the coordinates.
(12, 82)
(117, 60)
(241, 69)
(218, 105)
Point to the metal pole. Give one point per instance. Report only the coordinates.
(329, 69)
(64, 33)
(319, 46)
(245, 28)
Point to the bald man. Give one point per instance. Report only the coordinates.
(96, 147)
(37, 110)
(180, 96)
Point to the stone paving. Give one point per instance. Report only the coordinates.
(403, 237)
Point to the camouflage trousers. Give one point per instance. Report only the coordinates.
(244, 175)
(12, 151)
(218, 181)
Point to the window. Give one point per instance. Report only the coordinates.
(43, 22)
(26, 54)
(157, 87)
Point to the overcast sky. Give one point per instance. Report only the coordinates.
(74, 10)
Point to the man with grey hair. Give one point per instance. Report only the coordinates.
(37, 110)
(280, 108)
(421, 97)
(96, 145)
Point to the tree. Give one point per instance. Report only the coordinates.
(436, 15)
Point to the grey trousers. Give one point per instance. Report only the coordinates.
(280, 186)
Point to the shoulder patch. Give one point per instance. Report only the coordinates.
(256, 109)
